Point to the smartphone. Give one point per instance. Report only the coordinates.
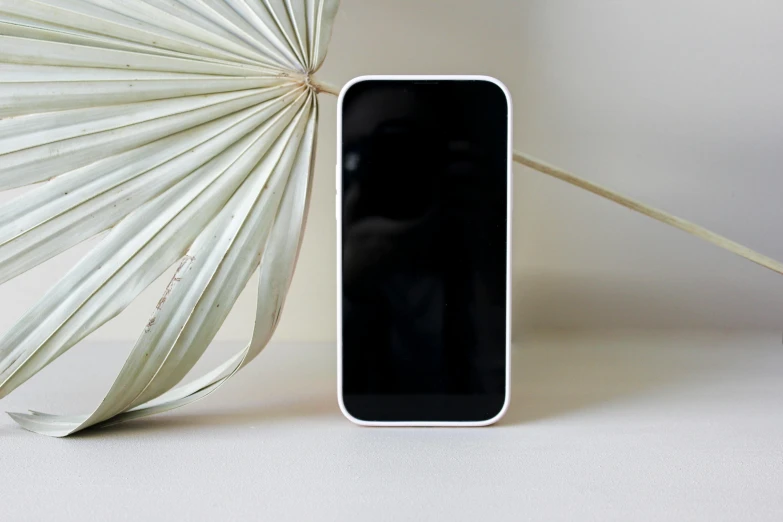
(424, 219)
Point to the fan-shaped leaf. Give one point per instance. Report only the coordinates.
(185, 129)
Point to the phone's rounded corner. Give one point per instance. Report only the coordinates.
(497, 417)
(499, 84)
(348, 415)
(345, 88)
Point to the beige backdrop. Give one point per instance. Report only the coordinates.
(675, 102)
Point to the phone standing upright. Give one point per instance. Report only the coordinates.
(424, 250)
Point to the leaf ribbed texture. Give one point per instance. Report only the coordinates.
(184, 131)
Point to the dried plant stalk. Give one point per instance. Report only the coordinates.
(630, 203)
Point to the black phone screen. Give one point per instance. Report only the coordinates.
(424, 250)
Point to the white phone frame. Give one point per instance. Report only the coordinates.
(338, 217)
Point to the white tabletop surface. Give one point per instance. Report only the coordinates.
(618, 426)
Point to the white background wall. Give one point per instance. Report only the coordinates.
(677, 103)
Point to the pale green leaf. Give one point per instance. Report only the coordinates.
(183, 130)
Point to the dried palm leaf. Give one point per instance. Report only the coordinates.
(184, 129)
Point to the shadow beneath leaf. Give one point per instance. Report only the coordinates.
(183, 420)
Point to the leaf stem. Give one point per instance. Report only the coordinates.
(325, 87)
(660, 215)
(598, 190)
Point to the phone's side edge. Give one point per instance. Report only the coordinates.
(509, 249)
(339, 224)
